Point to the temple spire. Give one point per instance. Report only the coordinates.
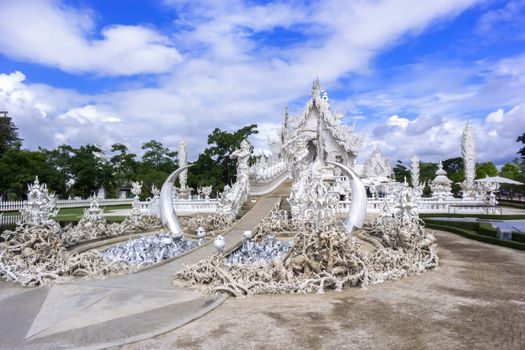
(316, 87)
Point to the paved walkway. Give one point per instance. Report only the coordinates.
(95, 314)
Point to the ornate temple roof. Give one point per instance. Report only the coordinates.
(343, 134)
(377, 165)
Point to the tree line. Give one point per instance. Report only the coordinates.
(81, 172)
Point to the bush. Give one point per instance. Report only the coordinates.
(518, 237)
(486, 229)
(446, 226)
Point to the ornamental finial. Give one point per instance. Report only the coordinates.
(316, 87)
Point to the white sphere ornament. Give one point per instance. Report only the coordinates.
(219, 243)
(201, 232)
(167, 240)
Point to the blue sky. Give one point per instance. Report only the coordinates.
(409, 73)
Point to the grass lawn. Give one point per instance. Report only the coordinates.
(478, 231)
(479, 216)
(74, 214)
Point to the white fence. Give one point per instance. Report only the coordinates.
(192, 206)
(9, 220)
(65, 203)
(428, 205)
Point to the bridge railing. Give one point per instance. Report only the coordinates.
(264, 180)
(191, 206)
(425, 205)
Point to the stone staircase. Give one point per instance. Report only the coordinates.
(247, 206)
(283, 191)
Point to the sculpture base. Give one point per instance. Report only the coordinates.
(184, 193)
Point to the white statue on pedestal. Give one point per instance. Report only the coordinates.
(154, 204)
(468, 152)
(242, 155)
(184, 192)
(233, 198)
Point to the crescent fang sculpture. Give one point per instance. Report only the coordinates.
(357, 212)
(167, 211)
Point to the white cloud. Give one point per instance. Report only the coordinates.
(496, 141)
(228, 79)
(395, 120)
(495, 117)
(88, 114)
(49, 33)
(511, 14)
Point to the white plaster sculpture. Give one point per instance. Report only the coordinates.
(414, 171)
(233, 198)
(40, 205)
(136, 188)
(94, 213)
(357, 212)
(468, 152)
(242, 155)
(312, 198)
(441, 185)
(167, 211)
(206, 191)
(319, 258)
(399, 226)
(417, 186)
(183, 191)
(154, 204)
(135, 214)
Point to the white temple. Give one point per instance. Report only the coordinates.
(317, 134)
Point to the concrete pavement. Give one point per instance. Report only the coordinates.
(96, 314)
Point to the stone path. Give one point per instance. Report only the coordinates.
(95, 314)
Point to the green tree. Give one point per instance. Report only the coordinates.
(214, 166)
(159, 157)
(125, 166)
(427, 173)
(90, 170)
(60, 159)
(8, 134)
(511, 170)
(157, 163)
(521, 139)
(18, 168)
(456, 172)
(453, 165)
(486, 169)
(401, 172)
